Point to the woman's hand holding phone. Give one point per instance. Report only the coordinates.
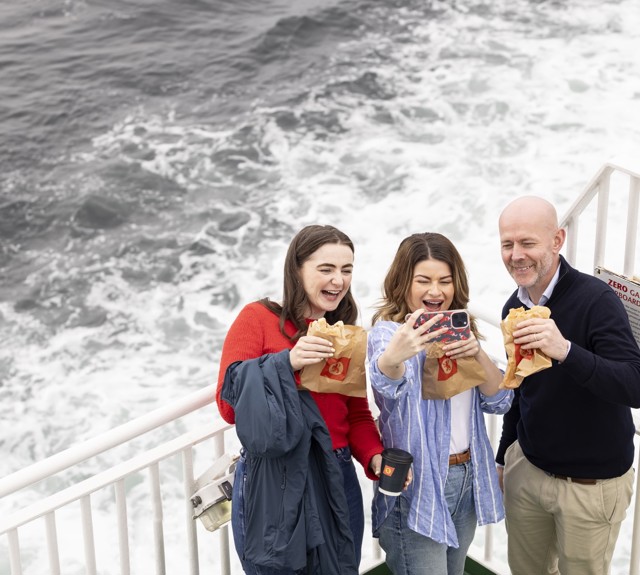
(426, 325)
(455, 335)
(409, 340)
(406, 342)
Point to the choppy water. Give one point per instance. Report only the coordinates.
(157, 156)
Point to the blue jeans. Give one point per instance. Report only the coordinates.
(409, 553)
(354, 500)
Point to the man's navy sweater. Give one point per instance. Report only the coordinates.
(574, 418)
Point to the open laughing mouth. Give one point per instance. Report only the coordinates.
(432, 305)
(331, 294)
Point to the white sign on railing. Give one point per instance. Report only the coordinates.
(628, 290)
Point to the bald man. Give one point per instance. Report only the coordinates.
(567, 442)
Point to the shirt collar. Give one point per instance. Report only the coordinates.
(523, 294)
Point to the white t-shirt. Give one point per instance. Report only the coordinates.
(460, 422)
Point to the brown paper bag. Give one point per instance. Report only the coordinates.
(344, 372)
(521, 362)
(443, 377)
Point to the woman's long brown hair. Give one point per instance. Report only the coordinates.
(294, 299)
(414, 249)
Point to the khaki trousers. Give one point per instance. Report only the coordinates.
(556, 526)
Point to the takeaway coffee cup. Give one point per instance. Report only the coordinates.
(395, 468)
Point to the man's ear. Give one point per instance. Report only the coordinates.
(558, 239)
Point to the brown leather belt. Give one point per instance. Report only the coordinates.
(458, 458)
(574, 479)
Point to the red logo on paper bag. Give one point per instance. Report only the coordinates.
(447, 368)
(336, 368)
(521, 354)
(388, 470)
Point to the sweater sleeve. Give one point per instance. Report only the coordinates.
(610, 365)
(364, 438)
(244, 340)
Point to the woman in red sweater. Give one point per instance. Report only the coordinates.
(317, 283)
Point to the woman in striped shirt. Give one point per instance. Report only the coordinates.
(429, 527)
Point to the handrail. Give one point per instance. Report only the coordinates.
(105, 441)
(110, 476)
(600, 186)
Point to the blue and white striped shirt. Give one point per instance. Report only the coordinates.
(423, 427)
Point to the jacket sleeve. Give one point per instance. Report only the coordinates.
(244, 340)
(263, 393)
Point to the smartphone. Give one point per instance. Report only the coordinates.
(455, 320)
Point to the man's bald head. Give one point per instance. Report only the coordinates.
(531, 241)
(531, 208)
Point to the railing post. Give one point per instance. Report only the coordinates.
(158, 518)
(493, 439)
(601, 221)
(377, 550)
(572, 239)
(225, 557)
(123, 528)
(87, 531)
(14, 552)
(632, 227)
(192, 536)
(52, 543)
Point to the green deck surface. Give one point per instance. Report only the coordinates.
(471, 568)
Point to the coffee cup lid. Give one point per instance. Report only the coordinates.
(397, 455)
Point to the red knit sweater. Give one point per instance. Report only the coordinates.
(256, 332)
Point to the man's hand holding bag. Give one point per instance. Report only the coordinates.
(522, 362)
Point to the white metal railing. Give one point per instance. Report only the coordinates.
(115, 476)
(600, 186)
(105, 441)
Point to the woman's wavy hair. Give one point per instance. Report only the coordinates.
(393, 305)
(294, 298)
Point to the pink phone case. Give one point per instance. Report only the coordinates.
(456, 320)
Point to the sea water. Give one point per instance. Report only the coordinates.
(158, 156)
